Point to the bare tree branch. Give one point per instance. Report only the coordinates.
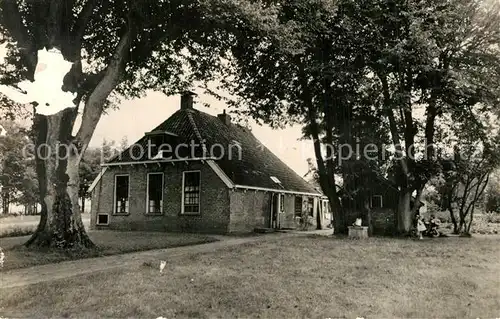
(78, 29)
(95, 102)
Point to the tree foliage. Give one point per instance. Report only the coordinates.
(17, 176)
(492, 193)
(121, 47)
(394, 69)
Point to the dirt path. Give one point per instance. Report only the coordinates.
(43, 273)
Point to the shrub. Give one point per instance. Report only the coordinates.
(492, 204)
(492, 218)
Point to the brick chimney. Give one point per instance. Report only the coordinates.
(187, 100)
(225, 118)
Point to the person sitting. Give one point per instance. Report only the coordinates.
(434, 221)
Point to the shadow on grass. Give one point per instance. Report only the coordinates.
(17, 231)
(108, 243)
(387, 238)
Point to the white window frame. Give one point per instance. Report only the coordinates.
(182, 194)
(275, 180)
(114, 194)
(310, 214)
(147, 192)
(381, 201)
(97, 219)
(300, 213)
(282, 202)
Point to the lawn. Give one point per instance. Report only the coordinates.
(108, 242)
(313, 277)
(25, 225)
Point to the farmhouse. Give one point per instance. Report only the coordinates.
(201, 173)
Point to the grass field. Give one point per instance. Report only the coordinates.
(11, 226)
(108, 242)
(313, 277)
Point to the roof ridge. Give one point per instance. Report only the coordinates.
(196, 131)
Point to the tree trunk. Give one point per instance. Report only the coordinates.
(6, 202)
(453, 220)
(469, 225)
(319, 214)
(430, 129)
(368, 215)
(57, 162)
(83, 204)
(461, 225)
(404, 214)
(450, 189)
(325, 172)
(29, 209)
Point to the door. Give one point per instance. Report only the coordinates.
(275, 205)
(319, 214)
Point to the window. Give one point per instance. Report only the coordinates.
(282, 202)
(122, 190)
(275, 179)
(376, 201)
(298, 206)
(191, 193)
(310, 206)
(102, 219)
(154, 198)
(154, 146)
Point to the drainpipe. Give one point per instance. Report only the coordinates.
(98, 206)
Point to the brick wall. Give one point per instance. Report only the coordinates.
(222, 210)
(214, 200)
(249, 210)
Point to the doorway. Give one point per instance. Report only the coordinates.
(275, 211)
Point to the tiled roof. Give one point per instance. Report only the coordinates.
(253, 168)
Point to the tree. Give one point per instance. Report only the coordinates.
(16, 178)
(314, 62)
(465, 185)
(492, 202)
(300, 62)
(425, 58)
(123, 144)
(124, 47)
(28, 190)
(473, 159)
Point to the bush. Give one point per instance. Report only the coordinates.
(482, 225)
(493, 218)
(492, 204)
(443, 216)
